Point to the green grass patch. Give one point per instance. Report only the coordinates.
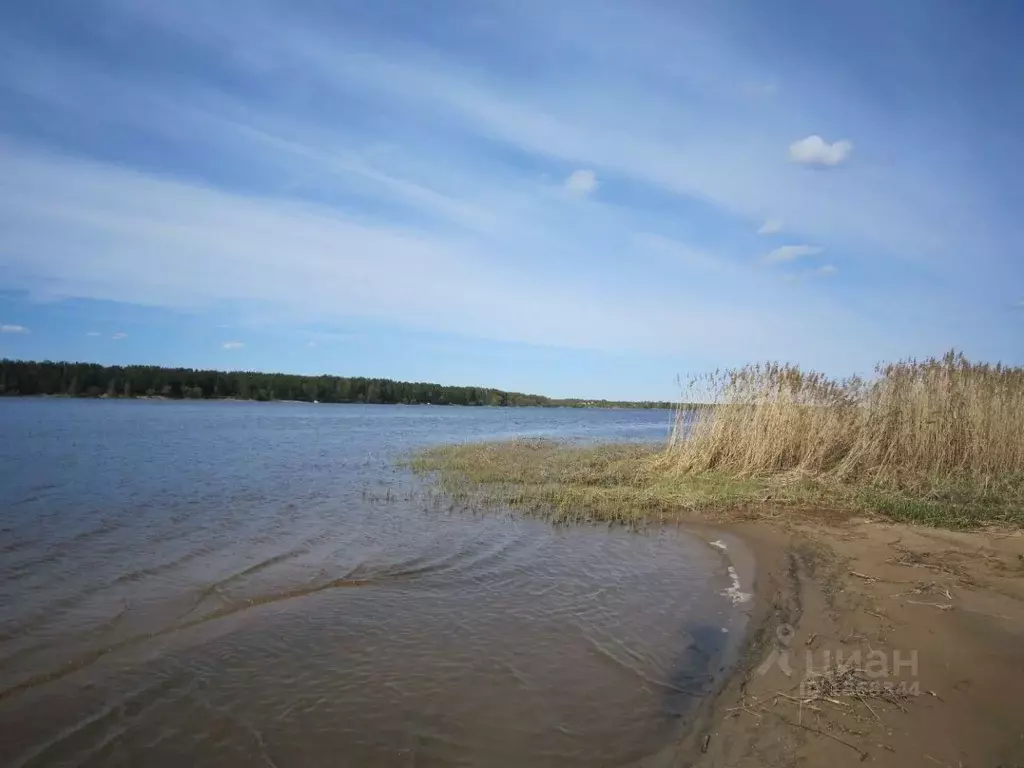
(635, 485)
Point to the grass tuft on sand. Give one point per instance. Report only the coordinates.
(938, 442)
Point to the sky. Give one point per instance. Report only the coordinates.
(583, 198)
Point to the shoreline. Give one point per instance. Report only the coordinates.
(886, 640)
(582, 406)
(944, 610)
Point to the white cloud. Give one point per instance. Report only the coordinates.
(827, 271)
(456, 178)
(93, 333)
(770, 227)
(208, 247)
(791, 253)
(642, 130)
(14, 329)
(581, 182)
(119, 335)
(814, 150)
(233, 345)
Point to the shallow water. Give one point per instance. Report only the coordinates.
(260, 583)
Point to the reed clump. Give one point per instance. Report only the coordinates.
(938, 442)
(928, 428)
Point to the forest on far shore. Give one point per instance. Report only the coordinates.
(22, 377)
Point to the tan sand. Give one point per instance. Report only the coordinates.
(937, 618)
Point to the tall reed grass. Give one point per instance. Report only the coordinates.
(914, 425)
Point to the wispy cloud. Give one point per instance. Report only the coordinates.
(233, 345)
(581, 182)
(346, 210)
(828, 270)
(672, 252)
(206, 246)
(119, 335)
(311, 344)
(645, 132)
(14, 329)
(814, 150)
(791, 253)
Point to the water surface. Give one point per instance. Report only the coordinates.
(259, 583)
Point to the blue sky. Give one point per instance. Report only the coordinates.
(576, 198)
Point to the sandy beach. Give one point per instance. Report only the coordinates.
(927, 624)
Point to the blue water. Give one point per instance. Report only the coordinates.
(228, 583)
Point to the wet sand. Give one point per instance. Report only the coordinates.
(937, 618)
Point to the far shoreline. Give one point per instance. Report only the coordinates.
(168, 399)
(82, 379)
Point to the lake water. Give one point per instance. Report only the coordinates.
(238, 584)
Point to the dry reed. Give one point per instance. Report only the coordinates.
(920, 426)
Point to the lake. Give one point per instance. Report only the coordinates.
(237, 584)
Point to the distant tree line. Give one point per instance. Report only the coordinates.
(22, 377)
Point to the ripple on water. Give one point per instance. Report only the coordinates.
(247, 620)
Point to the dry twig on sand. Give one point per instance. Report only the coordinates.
(832, 686)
